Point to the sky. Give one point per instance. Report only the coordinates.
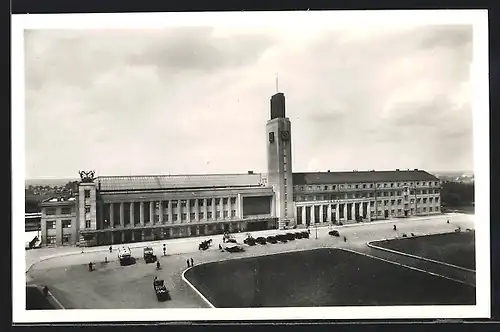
(196, 99)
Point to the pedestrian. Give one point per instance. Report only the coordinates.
(345, 239)
(45, 291)
(90, 266)
(187, 261)
(192, 262)
(394, 227)
(447, 221)
(105, 259)
(220, 247)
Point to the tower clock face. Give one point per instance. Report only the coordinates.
(285, 135)
(271, 137)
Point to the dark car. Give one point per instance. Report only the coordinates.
(149, 256)
(290, 236)
(299, 235)
(334, 233)
(281, 238)
(305, 235)
(261, 240)
(272, 239)
(160, 290)
(249, 241)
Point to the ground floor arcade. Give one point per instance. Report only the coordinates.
(162, 232)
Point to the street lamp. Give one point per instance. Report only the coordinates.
(316, 228)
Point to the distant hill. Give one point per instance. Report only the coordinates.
(48, 182)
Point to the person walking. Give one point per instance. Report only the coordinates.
(110, 249)
(187, 261)
(192, 264)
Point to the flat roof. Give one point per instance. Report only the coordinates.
(361, 176)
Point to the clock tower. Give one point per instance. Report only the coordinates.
(279, 160)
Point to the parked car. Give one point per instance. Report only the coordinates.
(149, 256)
(299, 235)
(282, 238)
(305, 234)
(249, 241)
(272, 239)
(334, 233)
(290, 236)
(261, 240)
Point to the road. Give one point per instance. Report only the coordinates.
(65, 268)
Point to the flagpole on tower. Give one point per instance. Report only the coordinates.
(277, 89)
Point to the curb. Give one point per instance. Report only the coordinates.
(373, 246)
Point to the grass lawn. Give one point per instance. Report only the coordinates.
(323, 277)
(453, 248)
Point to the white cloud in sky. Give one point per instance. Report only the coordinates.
(196, 100)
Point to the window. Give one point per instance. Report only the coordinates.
(87, 209)
(88, 224)
(385, 185)
(425, 209)
(87, 193)
(157, 218)
(192, 202)
(50, 211)
(166, 217)
(209, 202)
(411, 184)
(51, 224)
(386, 194)
(399, 210)
(66, 238)
(430, 199)
(386, 202)
(225, 201)
(364, 186)
(201, 215)
(184, 216)
(175, 217)
(419, 200)
(425, 200)
(209, 214)
(192, 216)
(183, 203)
(371, 185)
(233, 200)
(217, 214)
(217, 201)
(318, 187)
(435, 183)
(392, 185)
(226, 214)
(392, 193)
(372, 203)
(372, 194)
(399, 193)
(201, 202)
(436, 191)
(412, 201)
(412, 192)
(436, 199)
(173, 204)
(66, 224)
(326, 187)
(356, 186)
(51, 240)
(378, 185)
(66, 210)
(379, 213)
(233, 213)
(393, 201)
(399, 201)
(309, 188)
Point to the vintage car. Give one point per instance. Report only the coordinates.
(160, 290)
(272, 239)
(305, 234)
(231, 246)
(249, 240)
(282, 238)
(125, 256)
(261, 240)
(334, 233)
(290, 236)
(299, 235)
(149, 256)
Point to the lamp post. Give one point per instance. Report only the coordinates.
(316, 227)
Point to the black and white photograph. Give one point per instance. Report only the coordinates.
(247, 166)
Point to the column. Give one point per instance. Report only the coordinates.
(337, 212)
(239, 210)
(112, 215)
(345, 211)
(205, 209)
(170, 214)
(213, 208)
(112, 237)
(321, 214)
(160, 212)
(123, 235)
(329, 214)
(304, 214)
(132, 219)
(312, 215)
(353, 211)
(273, 206)
(122, 219)
(142, 235)
(229, 207)
(188, 210)
(197, 210)
(141, 213)
(151, 213)
(179, 211)
(133, 236)
(361, 209)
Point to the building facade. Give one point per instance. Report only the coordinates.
(121, 209)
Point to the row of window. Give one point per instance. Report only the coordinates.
(53, 239)
(412, 201)
(368, 185)
(412, 211)
(53, 211)
(192, 202)
(51, 224)
(301, 198)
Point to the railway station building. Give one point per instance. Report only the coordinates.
(122, 209)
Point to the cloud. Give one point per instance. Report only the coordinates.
(196, 100)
